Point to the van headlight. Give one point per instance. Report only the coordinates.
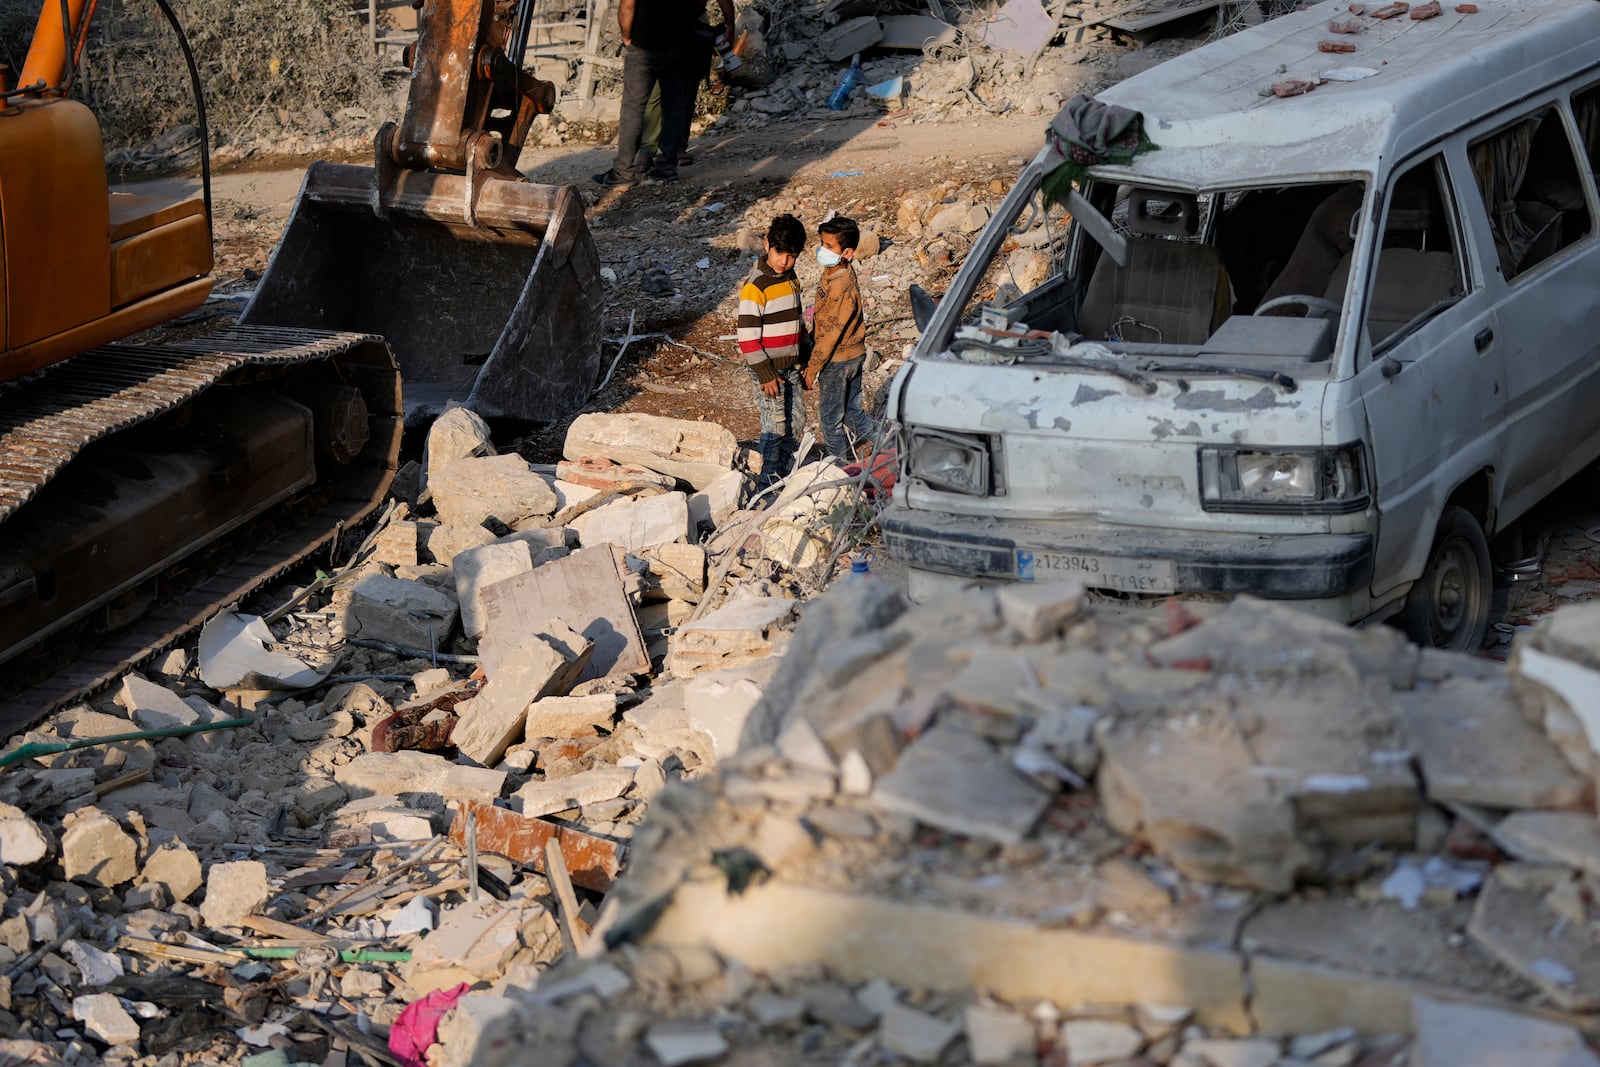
(1310, 480)
(957, 463)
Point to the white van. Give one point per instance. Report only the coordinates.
(1339, 342)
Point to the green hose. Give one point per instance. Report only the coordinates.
(34, 749)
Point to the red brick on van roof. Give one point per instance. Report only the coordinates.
(1335, 46)
(1389, 11)
(1466, 9)
(1427, 11)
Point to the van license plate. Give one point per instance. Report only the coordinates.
(1097, 572)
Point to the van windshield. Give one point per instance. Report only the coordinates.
(1257, 273)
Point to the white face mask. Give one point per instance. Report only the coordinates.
(828, 257)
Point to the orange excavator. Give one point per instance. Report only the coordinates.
(144, 484)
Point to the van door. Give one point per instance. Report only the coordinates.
(1535, 203)
(1431, 379)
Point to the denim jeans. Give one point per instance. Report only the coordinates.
(642, 69)
(783, 420)
(839, 407)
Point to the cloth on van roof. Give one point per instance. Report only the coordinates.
(1171, 292)
(1086, 133)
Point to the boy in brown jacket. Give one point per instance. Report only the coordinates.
(839, 341)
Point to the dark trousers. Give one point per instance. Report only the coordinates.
(839, 407)
(641, 71)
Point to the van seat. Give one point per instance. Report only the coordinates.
(1409, 282)
(1171, 292)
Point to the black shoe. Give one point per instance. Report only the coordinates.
(612, 180)
(685, 159)
(661, 174)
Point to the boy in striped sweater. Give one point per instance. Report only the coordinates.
(770, 332)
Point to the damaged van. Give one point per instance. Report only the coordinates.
(1325, 343)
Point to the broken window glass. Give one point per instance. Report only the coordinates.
(1532, 189)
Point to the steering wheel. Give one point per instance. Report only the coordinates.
(1315, 306)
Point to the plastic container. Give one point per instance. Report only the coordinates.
(847, 81)
(859, 569)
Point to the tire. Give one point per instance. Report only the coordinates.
(1451, 604)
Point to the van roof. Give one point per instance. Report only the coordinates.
(1207, 114)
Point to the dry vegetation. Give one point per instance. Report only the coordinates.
(254, 56)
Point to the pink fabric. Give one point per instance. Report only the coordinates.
(414, 1032)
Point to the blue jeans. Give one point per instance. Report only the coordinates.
(839, 407)
(783, 420)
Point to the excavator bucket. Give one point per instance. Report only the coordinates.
(491, 298)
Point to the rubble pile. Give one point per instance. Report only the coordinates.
(406, 777)
(1014, 828)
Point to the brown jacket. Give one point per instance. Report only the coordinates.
(839, 332)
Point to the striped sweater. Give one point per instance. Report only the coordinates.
(769, 321)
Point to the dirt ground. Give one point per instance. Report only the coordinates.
(675, 251)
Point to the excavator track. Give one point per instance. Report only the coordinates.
(53, 418)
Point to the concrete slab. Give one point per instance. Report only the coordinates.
(584, 591)
(956, 782)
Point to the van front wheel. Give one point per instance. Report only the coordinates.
(1449, 607)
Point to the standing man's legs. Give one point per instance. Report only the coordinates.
(640, 69)
(677, 104)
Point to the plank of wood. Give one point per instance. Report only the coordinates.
(555, 869)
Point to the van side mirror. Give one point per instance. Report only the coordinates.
(923, 306)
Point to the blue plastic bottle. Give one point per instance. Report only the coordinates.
(859, 568)
(847, 81)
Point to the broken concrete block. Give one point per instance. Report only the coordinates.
(175, 868)
(473, 942)
(234, 890)
(396, 544)
(396, 612)
(1563, 695)
(95, 849)
(1125, 885)
(492, 721)
(1225, 824)
(1248, 636)
(1477, 747)
(679, 1041)
(583, 590)
(1234, 1052)
(771, 1011)
(736, 634)
(105, 1019)
(456, 435)
(1093, 1041)
(1524, 918)
(570, 716)
(391, 773)
(477, 569)
(997, 1036)
(693, 452)
(956, 782)
(717, 502)
(919, 1037)
(1570, 838)
(22, 843)
(636, 524)
(719, 702)
(443, 543)
(564, 794)
(1470, 1035)
(154, 707)
(674, 572)
(1038, 610)
(501, 487)
(482, 1028)
(839, 43)
(914, 33)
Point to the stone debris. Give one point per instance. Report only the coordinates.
(1007, 828)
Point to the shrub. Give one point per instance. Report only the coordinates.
(254, 57)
